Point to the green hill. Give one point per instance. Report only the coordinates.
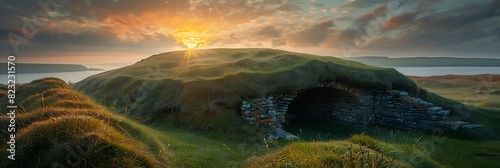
(206, 90)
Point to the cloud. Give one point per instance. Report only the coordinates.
(269, 31)
(462, 31)
(278, 42)
(363, 3)
(85, 42)
(400, 20)
(340, 38)
(311, 36)
(405, 27)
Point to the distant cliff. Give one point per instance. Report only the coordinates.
(46, 68)
(427, 61)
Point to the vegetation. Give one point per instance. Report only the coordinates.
(358, 151)
(205, 92)
(477, 90)
(146, 102)
(58, 126)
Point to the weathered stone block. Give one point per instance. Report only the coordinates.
(443, 112)
(435, 109)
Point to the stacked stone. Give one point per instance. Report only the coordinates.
(394, 108)
(414, 113)
(260, 113)
(282, 102)
(268, 113)
(337, 85)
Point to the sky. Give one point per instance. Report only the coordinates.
(122, 31)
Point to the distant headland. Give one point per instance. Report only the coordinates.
(426, 61)
(47, 68)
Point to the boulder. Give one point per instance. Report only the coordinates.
(403, 94)
(443, 112)
(470, 126)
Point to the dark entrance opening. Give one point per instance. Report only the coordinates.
(320, 111)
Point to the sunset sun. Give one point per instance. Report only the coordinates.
(192, 43)
(191, 39)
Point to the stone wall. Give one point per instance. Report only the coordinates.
(354, 106)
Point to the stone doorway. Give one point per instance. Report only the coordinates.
(323, 104)
(336, 103)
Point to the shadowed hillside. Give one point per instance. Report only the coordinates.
(59, 127)
(204, 89)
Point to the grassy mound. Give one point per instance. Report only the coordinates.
(358, 151)
(57, 126)
(204, 88)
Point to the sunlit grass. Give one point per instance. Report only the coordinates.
(478, 90)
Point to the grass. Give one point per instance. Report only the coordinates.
(359, 150)
(51, 126)
(144, 105)
(54, 121)
(59, 126)
(205, 92)
(477, 90)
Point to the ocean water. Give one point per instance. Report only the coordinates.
(66, 76)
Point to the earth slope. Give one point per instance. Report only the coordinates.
(204, 88)
(59, 127)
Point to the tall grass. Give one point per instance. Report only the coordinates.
(58, 126)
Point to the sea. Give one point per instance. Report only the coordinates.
(409, 71)
(66, 76)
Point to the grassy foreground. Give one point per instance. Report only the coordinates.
(56, 122)
(57, 126)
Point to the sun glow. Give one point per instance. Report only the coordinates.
(191, 39)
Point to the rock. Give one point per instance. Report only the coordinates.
(272, 113)
(261, 109)
(291, 137)
(435, 109)
(443, 112)
(435, 118)
(394, 92)
(470, 126)
(271, 136)
(393, 108)
(403, 94)
(458, 124)
(285, 135)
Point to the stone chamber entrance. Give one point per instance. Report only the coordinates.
(335, 107)
(323, 104)
(320, 113)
